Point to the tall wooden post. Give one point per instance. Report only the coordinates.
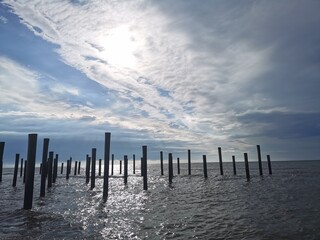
(120, 167)
(50, 169)
(75, 168)
(93, 168)
(134, 164)
(247, 166)
(55, 168)
(88, 169)
(21, 167)
(15, 173)
(220, 160)
(234, 165)
(205, 173)
(28, 190)
(99, 173)
(178, 165)
(112, 161)
(170, 168)
(141, 165)
(1, 158)
(44, 167)
(106, 166)
(259, 160)
(269, 164)
(61, 168)
(25, 171)
(125, 170)
(161, 162)
(67, 170)
(79, 167)
(189, 161)
(145, 167)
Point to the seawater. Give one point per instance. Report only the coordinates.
(285, 205)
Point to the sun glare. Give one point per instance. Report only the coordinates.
(119, 46)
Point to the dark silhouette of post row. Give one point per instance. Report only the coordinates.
(31, 156)
(134, 164)
(99, 173)
(25, 171)
(259, 160)
(205, 173)
(189, 161)
(145, 167)
(170, 167)
(79, 167)
(161, 162)
(112, 161)
(50, 169)
(55, 168)
(220, 160)
(93, 168)
(1, 158)
(125, 170)
(15, 173)
(75, 168)
(247, 166)
(21, 167)
(269, 164)
(44, 167)
(106, 166)
(234, 165)
(61, 168)
(178, 165)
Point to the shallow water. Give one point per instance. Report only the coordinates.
(285, 205)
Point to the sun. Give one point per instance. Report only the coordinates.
(119, 46)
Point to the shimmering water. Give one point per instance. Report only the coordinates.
(285, 205)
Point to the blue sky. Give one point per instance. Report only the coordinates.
(172, 75)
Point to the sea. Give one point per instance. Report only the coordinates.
(284, 205)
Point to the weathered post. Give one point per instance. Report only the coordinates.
(55, 168)
(61, 168)
(259, 160)
(75, 168)
(247, 166)
(88, 169)
(15, 173)
(134, 164)
(93, 168)
(161, 162)
(99, 167)
(120, 167)
(68, 169)
(21, 167)
(141, 166)
(28, 190)
(189, 161)
(125, 170)
(145, 167)
(79, 167)
(50, 169)
(40, 169)
(205, 173)
(44, 167)
(269, 164)
(70, 164)
(106, 166)
(1, 159)
(170, 172)
(112, 160)
(220, 160)
(234, 165)
(178, 165)
(25, 171)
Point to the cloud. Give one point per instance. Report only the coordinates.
(3, 19)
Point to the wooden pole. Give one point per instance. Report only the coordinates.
(106, 166)
(247, 166)
(67, 170)
(75, 168)
(79, 167)
(125, 172)
(70, 164)
(220, 160)
(21, 167)
(40, 169)
(178, 165)
(120, 167)
(269, 165)
(28, 190)
(134, 164)
(161, 162)
(88, 169)
(61, 168)
(15, 173)
(1, 159)
(25, 171)
(234, 165)
(259, 160)
(93, 168)
(55, 168)
(170, 172)
(141, 166)
(112, 161)
(145, 168)
(189, 161)
(205, 173)
(44, 167)
(99, 167)
(50, 169)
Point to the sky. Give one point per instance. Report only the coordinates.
(172, 75)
